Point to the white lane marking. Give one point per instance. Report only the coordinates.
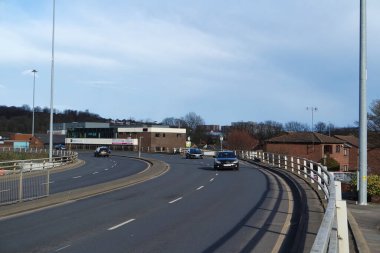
(216, 174)
(212, 179)
(105, 169)
(95, 173)
(47, 183)
(64, 247)
(175, 200)
(121, 224)
(200, 187)
(5, 190)
(77, 177)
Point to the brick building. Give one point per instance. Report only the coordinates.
(313, 146)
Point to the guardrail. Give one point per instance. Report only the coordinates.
(333, 233)
(22, 180)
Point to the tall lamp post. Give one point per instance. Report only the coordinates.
(362, 180)
(221, 142)
(52, 90)
(313, 109)
(34, 89)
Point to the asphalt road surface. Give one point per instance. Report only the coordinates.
(191, 208)
(96, 170)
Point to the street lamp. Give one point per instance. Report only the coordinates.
(313, 109)
(52, 89)
(34, 89)
(221, 142)
(362, 180)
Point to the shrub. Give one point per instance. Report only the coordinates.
(373, 185)
(331, 164)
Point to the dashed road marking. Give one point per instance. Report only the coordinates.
(175, 200)
(121, 224)
(77, 177)
(47, 183)
(62, 248)
(95, 173)
(200, 187)
(212, 179)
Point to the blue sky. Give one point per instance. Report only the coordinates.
(224, 60)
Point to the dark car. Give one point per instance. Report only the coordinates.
(102, 151)
(194, 153)
(226, 160)
(60, 147)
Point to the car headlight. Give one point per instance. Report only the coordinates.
(235, 162)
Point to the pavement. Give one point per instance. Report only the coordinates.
(364, 221)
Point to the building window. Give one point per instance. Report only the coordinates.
(157, 135)
(179, 135)
(345, 152)
(163, 135)
(327, 149)
(337, 149)
(345, 168)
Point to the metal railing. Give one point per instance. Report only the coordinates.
(22, 180)
(331, 233)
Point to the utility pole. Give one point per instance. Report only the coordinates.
(52, 90)
(362, 180)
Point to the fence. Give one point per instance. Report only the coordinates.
(22, 180)
(333, 232)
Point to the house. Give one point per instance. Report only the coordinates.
(313, 146)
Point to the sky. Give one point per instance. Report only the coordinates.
(227, 61)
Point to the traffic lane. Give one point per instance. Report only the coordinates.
(96, 170)
(155, 208)
(222, 216)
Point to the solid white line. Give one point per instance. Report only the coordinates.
(171, 202)
(212, 179)
(105, 169)
(77, 177)
(95, 173)
(200, 187)
(62, 248)
(121, 224)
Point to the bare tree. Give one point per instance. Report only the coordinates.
(193, 120)
(294, 126)
(241, 140)
(374, 116)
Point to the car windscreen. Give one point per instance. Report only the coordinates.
(226, 155)
(195, 151)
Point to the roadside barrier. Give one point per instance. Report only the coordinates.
(333, 233)
(22, 180)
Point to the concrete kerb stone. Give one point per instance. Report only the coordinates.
(358, 236)
(156, 169)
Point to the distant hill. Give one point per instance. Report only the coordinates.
(19, 119)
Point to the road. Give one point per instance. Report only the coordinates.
(96, 170)
(192, 208)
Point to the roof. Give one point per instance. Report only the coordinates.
(352, 140)
(57, 139)
(305, 137)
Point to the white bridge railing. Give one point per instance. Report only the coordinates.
(22, 180)
(333, 232)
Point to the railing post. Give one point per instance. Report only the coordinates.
(298, 166)
(319, 177)
(312, 172)
(286, 162)
(305, 168)
(279, 161)
(20, 187)
(292, 163)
